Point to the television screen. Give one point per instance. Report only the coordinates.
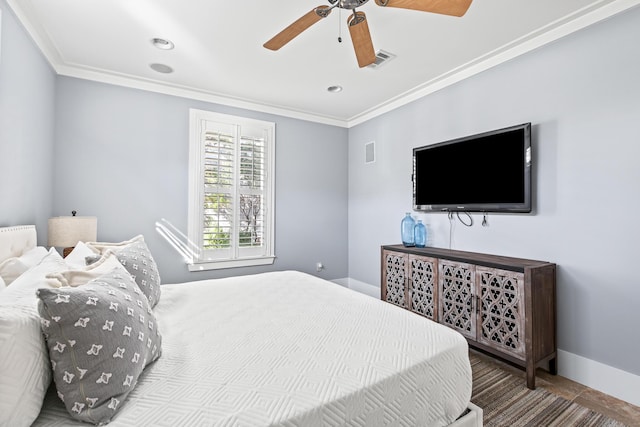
(487, 172)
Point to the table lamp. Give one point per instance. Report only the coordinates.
(66, 231)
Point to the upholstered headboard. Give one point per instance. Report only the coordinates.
(14, 241)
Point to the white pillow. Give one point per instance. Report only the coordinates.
(80, 276)
(25, 372)
(102, 247)
(13, 267)
(77, 258)
(2, 284)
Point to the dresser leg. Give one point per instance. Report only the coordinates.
(531, 375)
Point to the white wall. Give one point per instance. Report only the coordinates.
(27, 91)
(121, 154)
(582, 95)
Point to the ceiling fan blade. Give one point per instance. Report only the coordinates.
(361, 38)
(444, 7)
(294, 30)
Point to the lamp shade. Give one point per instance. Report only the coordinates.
(67, 231)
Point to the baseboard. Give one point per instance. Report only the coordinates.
(362, 287)
(342, 282)
(607, 379)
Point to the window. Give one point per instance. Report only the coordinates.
(231, 186)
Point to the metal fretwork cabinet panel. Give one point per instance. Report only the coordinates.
(423, 284)
(502, 312)
(457, 295)
(394, 278)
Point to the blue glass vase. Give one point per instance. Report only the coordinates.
(406, 227)
(420, 234)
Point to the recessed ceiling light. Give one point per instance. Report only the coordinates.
(335, 89)
(162, 43)
(161, 68)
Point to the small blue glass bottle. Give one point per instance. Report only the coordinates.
(420, 234)
(406, 227)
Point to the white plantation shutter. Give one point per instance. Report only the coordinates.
(231, 190)
(219, 154)
(251, 192)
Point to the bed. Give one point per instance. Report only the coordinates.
(283, 349)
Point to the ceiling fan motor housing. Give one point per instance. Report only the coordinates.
(348, 4)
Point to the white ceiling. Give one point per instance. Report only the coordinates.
(219, 57)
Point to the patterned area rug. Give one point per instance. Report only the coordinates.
(506, 401)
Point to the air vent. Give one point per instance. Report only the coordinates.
(370, 152)
(382, 57)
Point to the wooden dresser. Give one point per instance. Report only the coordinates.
(502, 305)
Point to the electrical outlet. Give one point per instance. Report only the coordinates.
(319, 266)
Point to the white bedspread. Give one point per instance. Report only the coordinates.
(289, 349)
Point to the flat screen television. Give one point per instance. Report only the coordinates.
(487, 172)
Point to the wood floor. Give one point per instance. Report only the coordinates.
(617, 409)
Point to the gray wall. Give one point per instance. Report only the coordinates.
(122, 155)
(582, 94)
(27, 92)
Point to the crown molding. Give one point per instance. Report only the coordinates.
(560, 28)
(543, 36)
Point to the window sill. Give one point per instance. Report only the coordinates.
(236, 263)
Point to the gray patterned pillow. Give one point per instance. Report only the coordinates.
(137, 259)
(135, 256)
(100, 337)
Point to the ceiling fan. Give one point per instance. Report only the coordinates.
(358, 27)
